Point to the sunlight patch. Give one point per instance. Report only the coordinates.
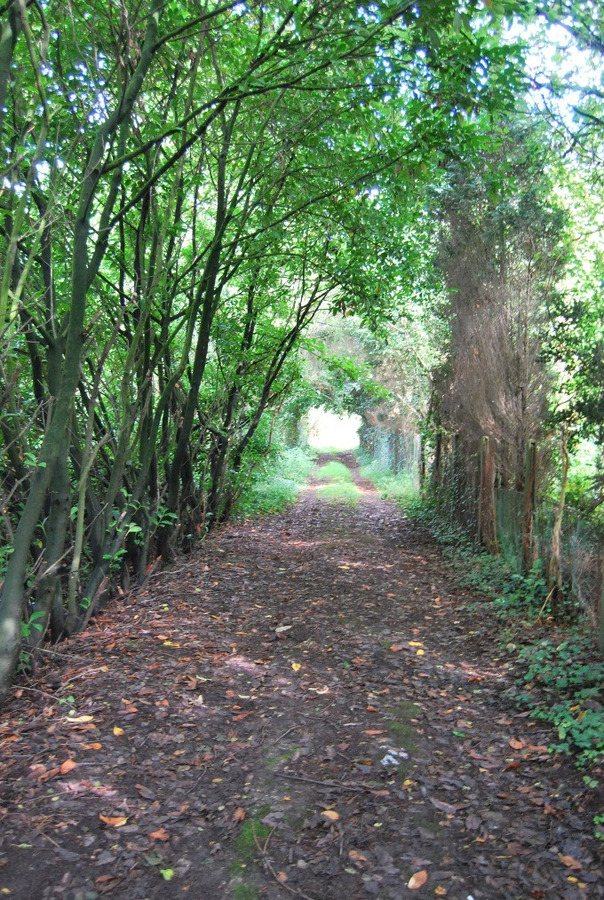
(325, 429)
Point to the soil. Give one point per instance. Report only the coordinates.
(309, 705)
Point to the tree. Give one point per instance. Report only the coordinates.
(503, 252)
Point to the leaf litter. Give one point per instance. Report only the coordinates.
(258, 721)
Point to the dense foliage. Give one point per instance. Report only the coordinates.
(184, 187)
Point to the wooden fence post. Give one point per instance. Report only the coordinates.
(554, 569)
(486, 508)
(528, 508)
(601, 609)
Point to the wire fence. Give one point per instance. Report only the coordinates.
(581, 547)
(396, 451)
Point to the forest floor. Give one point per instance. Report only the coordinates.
(305, 707)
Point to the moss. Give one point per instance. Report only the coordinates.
(403, 733)
(272, 762)
(408, 709)
(401, 728)
(251, 833)
(243, 891)
(427, 824)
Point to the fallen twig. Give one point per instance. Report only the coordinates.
(293, 728)
(329, 784)
(267, 864)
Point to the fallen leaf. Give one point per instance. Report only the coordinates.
(440, 891)
(239, 814)
(281, 877)
(118, 732)
(570, 862)
(331, 814)
(374, 731)
(79, 720)
(417, 880)
(396, 648)
(145, 792)
(160, 835)
(68, 766)
(104, 880)
(515, 744)
(296, 667)
(113, 821)
(443, 807)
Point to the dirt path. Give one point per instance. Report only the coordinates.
(303, 708)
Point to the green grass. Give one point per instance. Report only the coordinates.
(339, 492)
(339, 487)
(278, 485)
(401, 488)
(335, 471)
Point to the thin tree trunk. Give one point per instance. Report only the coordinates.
(56, 443)
(52, 560)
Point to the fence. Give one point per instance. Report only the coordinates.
(395, 450)
(581, 550)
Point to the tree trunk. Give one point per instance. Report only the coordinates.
(52, 560)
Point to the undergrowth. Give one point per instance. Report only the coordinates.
(400, 487)
(277, 485)
(560, 677)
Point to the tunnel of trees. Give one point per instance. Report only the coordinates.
(211, 212)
